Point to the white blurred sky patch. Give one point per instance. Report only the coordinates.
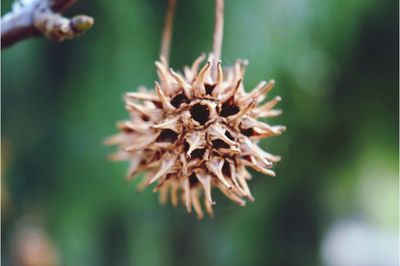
(356, 243)
(373, 238)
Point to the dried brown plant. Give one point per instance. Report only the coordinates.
(198, 130)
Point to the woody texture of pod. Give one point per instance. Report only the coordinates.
(196, 131)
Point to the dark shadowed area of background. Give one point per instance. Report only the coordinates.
(334, 200)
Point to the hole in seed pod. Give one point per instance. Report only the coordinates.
(186, 146)
(127, 130)
(200, 113)
(226, 170)
(247, 158)
(193, 181)
(229, 109)
(198, 153)
(167, 135)
(145, 118)
(179, 99)
(157, 104)
(218, 143)
(247, 132)
(228, 134)
(209, 88)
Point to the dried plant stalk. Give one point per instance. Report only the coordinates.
(167, 33)
(218, 31)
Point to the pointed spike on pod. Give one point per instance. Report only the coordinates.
(174, 193)
(264, 128)
(182, 83)
(279, 129)
(232, 92)
(256, 92)
(220, 79)
(164, 101)
(205, 181)
(238, 73)
(271, 157)
(130, 126)
(244, 64)
(220, 72)
(245, 187)
(261, 127)
(270, 113)
(256, 166)
(197, 62)
(266, 109)
(183, 161)
(256, 152)
(196, 204)
(268, 172)
(142, 89)
(141, 144)
(142, 96)
(271, 104)
(166, 165)
(218, 132)
(234, 177)
(243, 111)
(261, 134)
(186, 192)
(133, 167)
(159, 186)
(169, 123)
(196, 141)
(130, 106)
(114, 139)
(163, 76)
(125, 126)
(161, 69)
(163, 195)
(259, 91)
(244, 172)
(211, 58)
(187, 72)
(144, 182)
(199, 82)
(209, 209)
(142, 110)
(215, 166)
(118, 156)
(231, 195)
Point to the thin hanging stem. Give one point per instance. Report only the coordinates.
(167, 34)
(218, 32)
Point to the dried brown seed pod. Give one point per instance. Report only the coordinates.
(198, 131)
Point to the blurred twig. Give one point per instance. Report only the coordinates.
(167, 33)
(30, 18)
(218, 32)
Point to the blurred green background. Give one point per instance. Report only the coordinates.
(334, 200)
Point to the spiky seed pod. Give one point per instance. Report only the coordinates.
(196, 132)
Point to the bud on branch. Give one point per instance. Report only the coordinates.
(32, 18)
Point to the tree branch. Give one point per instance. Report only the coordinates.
(30, 18)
